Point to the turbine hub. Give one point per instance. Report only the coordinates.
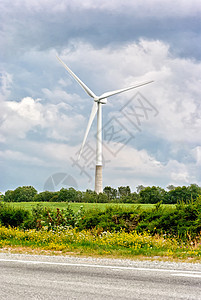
(102, 101)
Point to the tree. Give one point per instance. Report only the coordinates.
(1, 197)
(21, 194)
(90, 196)
(124, 191)
(67, 195)
(152, 194)
(45, 196)
(139, 188)
(178, 194)
(110, 192)
(8, 196)
(194, 191)
(102, 198)
(171, 187)
(183, 194)
(134, 198)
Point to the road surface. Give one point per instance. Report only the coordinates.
(54, 277)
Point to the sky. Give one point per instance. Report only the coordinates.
(151, 135)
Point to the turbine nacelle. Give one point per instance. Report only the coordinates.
(102, 101)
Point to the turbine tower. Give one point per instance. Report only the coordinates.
(97, 108)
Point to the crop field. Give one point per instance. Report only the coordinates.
(87, 206)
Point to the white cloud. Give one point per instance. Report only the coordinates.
(18, 156)
(196, 152)
(133, 167)
(175, 92)
(61, 113)
(18, 118)
(27, 109)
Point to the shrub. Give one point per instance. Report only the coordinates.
(183, 221)
(43, 217)
(14, 217)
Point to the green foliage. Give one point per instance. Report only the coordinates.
(182, 194)
(45, 196)
(89, 196)
(110, 192)
(43, 217)
(8, 196)
(102, 198)
(68, 195)
(144, 195)
(183, 220)
(151, 194)
(1, 197)
(14, 217)
(124, 191)
(21, 194)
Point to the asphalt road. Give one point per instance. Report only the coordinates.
(43, 277)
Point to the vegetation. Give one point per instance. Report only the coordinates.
(182, 220)
(10, 216)
(118, 244)
(114, 227)
(110, 195)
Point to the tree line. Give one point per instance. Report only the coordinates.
(122, 194)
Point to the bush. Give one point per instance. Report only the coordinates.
(183, 221)
(14, 217)
(43, 217)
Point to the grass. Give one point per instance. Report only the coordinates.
(95, 243)
(87, 206)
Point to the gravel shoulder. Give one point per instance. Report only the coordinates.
(153, 264)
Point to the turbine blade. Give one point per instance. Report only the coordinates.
(92, 116)
(108, 94)
(87, 90)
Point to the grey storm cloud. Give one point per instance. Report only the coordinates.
(46, 26)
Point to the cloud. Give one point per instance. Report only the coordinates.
(19, 118)
(5, 85)
(108, 45)
(133, 167)
(44, 25)
(175, 92)
(21, 157)
(151, 7)
(196, 152)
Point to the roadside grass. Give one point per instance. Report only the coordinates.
(95, 243)
(87, 206)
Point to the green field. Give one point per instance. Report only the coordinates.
(87, 206)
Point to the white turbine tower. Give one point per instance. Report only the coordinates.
(97, 108)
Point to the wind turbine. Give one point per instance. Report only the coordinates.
(97, 108)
